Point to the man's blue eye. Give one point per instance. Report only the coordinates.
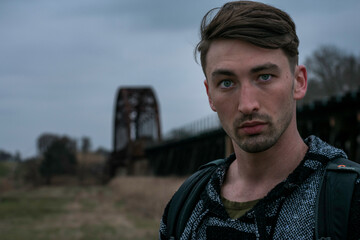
(265, 77)
(226, 83)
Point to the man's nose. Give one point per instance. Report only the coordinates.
(248, 99)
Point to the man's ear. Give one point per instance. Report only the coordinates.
(300, 85)
(209, 97)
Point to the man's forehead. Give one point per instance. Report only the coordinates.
(269, 66)
(228, 55)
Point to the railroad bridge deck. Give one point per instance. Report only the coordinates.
(335, 120)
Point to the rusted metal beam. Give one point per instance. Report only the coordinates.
(136, 124)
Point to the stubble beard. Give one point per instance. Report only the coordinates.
(261, 142)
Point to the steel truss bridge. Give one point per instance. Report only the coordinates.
(137, 133)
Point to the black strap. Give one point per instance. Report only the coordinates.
(332, 207)
(184, 200)
(334, 199)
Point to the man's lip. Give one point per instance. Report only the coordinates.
(251, 124)
(252, 127)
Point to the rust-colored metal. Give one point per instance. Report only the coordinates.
(136, 124)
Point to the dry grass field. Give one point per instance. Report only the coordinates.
(128, 208)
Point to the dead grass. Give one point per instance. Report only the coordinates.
(90, 158)
(128, 208)
(145, 196)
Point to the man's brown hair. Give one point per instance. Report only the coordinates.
(257, 23)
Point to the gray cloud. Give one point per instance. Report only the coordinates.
(61, 62)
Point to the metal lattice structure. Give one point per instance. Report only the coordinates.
(136, 124)
(335, 120)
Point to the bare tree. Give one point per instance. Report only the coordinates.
(59, 159)
(85, 144)
(331, 72)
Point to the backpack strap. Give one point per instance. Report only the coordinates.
(186, 197)
(334, 199)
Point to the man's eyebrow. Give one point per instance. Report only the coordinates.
(222, 72)
(266, 66)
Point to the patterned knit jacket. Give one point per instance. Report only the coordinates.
(287, 212)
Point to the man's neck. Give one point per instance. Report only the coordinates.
(252, 175)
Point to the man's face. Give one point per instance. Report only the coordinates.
(253, 91)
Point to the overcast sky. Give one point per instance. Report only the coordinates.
(61, 62)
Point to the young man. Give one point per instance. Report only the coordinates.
(267, 189)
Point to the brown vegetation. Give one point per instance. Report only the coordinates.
(145, 196)
(128, 208)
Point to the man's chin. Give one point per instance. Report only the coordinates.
(255, 143)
